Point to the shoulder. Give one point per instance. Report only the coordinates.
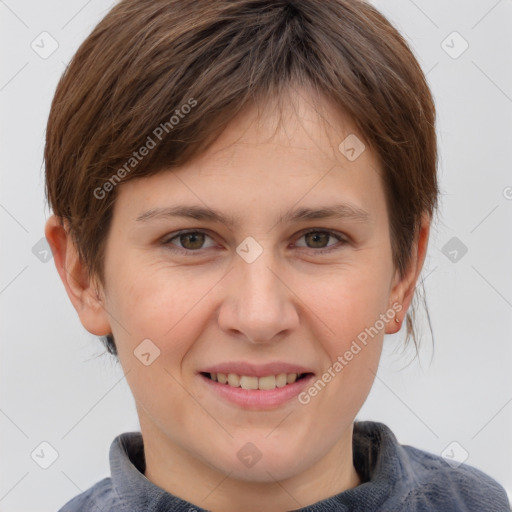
(452, 487)
(98, 497)
(407, 478)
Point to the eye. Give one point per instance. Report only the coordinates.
(190, 241)
(193, 241)
(318, 238)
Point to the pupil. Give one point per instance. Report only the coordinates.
(196, 239)
(318, 237)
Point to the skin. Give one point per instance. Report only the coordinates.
(291, 304)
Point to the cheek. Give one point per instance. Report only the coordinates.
(348, 306)
(352, 345)
(158, 303)
(162, 306)
(348, 300)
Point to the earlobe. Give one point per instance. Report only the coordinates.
(80, 289)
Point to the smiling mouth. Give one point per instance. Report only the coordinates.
(267, 382)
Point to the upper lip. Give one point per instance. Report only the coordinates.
(256, 370)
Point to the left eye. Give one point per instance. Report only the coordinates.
(319, 239)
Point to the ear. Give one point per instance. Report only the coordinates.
(403, 288)
(73, 273)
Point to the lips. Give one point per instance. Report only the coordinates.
(257, 387)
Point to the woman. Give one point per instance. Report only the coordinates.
(242, 196)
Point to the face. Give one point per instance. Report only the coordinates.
(264, 287)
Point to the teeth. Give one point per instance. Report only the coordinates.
(248, 382)
(233, 380)
(267, 382)
(281, 380)
(291, 378)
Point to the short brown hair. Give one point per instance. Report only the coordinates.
(147, 59)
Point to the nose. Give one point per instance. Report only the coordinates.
(259, 305)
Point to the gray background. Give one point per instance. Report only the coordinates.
(57, 388)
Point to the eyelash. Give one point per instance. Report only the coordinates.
(181, 250)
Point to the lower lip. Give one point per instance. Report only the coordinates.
(257, 398)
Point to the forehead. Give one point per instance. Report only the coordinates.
(296, 124)
(276, 154)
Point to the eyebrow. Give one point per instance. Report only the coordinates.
(338, 211)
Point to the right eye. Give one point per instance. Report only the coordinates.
(191, 241)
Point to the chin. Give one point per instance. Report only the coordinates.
(262, 463)
(268, 471)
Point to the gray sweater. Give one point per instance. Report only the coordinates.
(396, 478)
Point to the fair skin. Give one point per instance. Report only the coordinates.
(207, 305)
